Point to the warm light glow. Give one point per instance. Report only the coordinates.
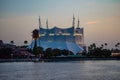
(51, 34)
(92, 22)
(76, 34)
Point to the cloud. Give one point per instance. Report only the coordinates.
(117, 17)
(92, 22)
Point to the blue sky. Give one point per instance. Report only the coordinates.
(29, 7)
(100, 18)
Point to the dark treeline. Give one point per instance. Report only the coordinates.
(5, 52)
(50, 53)
(39, 52)
(93, 51)
(102, 51)
(9, 53)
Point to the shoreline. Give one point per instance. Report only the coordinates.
(60, 59)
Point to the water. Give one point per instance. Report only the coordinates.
(76, 70)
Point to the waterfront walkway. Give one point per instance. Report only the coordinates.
(56, 59)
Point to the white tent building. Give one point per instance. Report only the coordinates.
(68, 38)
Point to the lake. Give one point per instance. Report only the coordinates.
(70, 70)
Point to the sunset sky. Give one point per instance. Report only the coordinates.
(100, 18)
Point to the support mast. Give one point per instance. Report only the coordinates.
(73, 23)
(39, 23)
(47, 23)
(40, 26)
(78, 25)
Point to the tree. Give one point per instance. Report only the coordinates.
(25, 42)
(91, 47)
(106, 52)
(94, 45)
(38, 51)
(65, 52)
(117, 45)
(48, 53)
(56, 52)
(98, 51)
(117, 48)
(102, 46)
(105, 45)
(35, 36)
(12, 42)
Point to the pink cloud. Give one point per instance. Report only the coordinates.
(92, 22)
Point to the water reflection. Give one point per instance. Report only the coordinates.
(75, 70)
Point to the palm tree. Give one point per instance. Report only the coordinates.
(105, 44)
(35, 36)
(25, 42)
(117, 48)
(12, 42)
(117, 45)
(102, 46)
(94, 45)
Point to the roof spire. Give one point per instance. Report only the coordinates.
(78, 25)
(73, 23)
(47, 23)
(39, 23)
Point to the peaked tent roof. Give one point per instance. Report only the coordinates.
(56, 29)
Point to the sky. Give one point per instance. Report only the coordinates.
(99, 18)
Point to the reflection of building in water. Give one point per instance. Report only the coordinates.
(62, 38)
